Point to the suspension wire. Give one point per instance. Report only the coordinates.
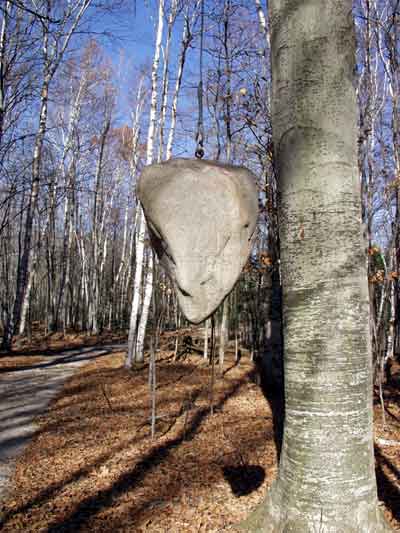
(199, 153)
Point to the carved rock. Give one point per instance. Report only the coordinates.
(201, 217)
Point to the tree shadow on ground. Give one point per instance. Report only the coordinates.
(49, 492)
(244, 479)
(90, 506)
(104, 498)
(388, 490)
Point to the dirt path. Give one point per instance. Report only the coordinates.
(25, 393)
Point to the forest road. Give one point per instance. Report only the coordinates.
(25, 394)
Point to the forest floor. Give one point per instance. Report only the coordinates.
(93, 466)
(27, 385)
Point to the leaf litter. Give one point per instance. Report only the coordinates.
(92, 465)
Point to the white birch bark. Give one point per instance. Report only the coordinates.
(148, 290)
(265, 31)
(69, 180)
(69, 241)
(3, 44)
(84, 280)
(165, 79)
(236, 346)
(263, 22)
(26, 301)
(223, 335)
(96, 230)
(186, 40)
(134, 233)
(206, 330)
(133, 339)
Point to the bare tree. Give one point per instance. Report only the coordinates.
(54, 46)
(326, 478)
(137, 330)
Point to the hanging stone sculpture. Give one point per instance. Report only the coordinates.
(201, 217)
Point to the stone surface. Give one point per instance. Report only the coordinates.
(201, 217)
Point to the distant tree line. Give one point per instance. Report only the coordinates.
(74, 249)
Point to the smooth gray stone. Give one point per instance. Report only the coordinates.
(201, 217)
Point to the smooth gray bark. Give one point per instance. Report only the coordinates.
(326, 481)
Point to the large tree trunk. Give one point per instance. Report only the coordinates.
(326, 480)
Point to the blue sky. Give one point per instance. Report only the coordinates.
(133, 29)
(132, 45)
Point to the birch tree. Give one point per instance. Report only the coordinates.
(3, 63)
(187, 37)
(137, 330)
(54, 47)
(165, 78)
